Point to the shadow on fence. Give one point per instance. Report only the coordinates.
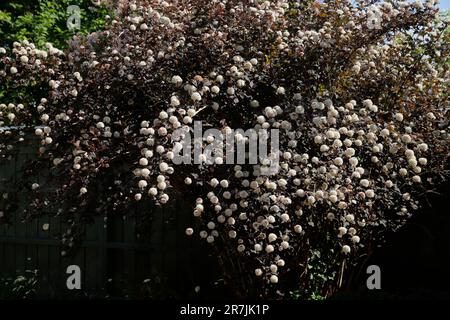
(115, 257)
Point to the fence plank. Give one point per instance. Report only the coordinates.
(111, 249)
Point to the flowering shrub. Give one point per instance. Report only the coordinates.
(360, 108)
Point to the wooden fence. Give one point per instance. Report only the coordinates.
(113, 259)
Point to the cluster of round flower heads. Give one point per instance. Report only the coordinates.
(360, 118)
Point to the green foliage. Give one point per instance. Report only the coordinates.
(20, 286)
(446, 18)
(321, 273)
(46, 21)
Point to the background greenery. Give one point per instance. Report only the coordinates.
(41, 21)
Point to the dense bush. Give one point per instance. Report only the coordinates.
(356, 90)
